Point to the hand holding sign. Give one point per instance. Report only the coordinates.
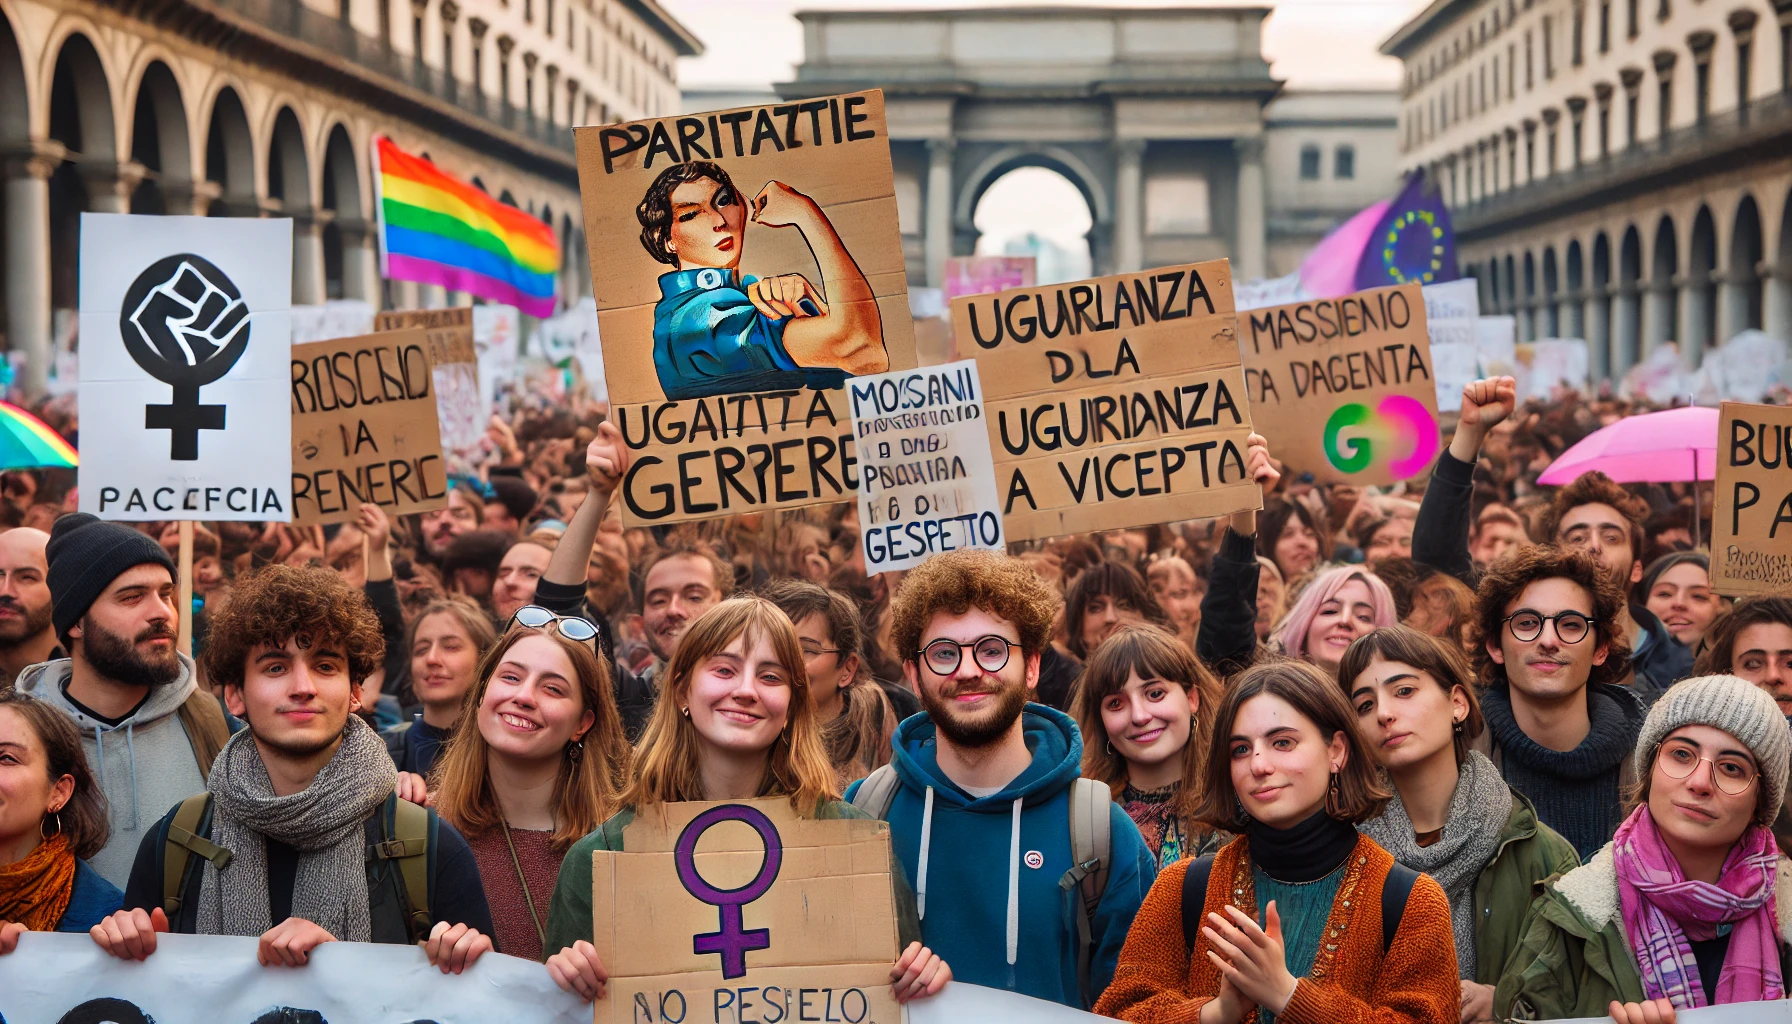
(918, 972)
(578, 970)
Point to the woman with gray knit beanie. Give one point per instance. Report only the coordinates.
(1452, 816)
(1690, 904)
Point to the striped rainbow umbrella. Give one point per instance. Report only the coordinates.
(26, 442)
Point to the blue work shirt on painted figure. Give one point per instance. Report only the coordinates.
(708, 339)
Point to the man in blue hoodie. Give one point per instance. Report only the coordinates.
(981, 818)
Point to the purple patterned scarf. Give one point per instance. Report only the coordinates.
(1663, 912)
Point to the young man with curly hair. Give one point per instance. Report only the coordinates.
(980, 812)
(1551, 658)
(302, 800)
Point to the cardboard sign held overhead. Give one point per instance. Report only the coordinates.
(364, 428)
(1751, 525)
(460, 408)
(746, 263)
(1115, 402)
(1344, 388)
(726, 912)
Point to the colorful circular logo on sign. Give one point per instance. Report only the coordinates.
(1415, 248)
(1399, 432)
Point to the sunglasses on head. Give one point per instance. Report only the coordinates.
(572, 627)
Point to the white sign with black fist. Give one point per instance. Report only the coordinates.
(185, 351)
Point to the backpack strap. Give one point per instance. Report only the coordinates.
(1194, 899)
(877, 792)
(1394, 892)
(203, 718)
(186, 837)
(1090, 843)
(409, 834)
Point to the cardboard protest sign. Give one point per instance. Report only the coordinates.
(927, 481)
(722, 912)
(1114, 402)
(210, 979)
(454, 363)
(1451, 310)
(185, 336)
(1551, 363)
(1344, 388)
(496, 330)
(364, 428)
(1751, 525)
(746, 264)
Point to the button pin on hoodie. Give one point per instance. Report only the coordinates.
(1034, 859)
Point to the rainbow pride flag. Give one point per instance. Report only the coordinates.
(437, 229)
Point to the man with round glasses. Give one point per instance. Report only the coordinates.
(981, 812)
(1552, 657)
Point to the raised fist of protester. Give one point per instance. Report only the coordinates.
(779, 206)
(1654, 1011)
(503, 440)
(1251, 956)
(413, 788)
(606, 458)
(918, 972)
(1261, 469)
(289, 943)
(130, 934)
(786, 296)
(454, 947)
(577, 969)
(1484, 404)
(375, 524)
(9, 937)
(1477, 1002)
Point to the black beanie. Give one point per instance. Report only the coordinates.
(86, 554)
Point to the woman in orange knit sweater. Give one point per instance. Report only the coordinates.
(1289, 772)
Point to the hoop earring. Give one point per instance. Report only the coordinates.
(1332, 799)
(1110, 745)
(575, 749)
(685, 711)
(40, 825)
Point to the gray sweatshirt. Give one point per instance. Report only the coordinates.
(144, 764)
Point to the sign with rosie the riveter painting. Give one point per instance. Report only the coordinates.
(720, 913)
(1113, 403)
(747, 263)
(1344, 388)
(1751, 528)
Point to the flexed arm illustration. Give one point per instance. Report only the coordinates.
(846, 330)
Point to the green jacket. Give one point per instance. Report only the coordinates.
(1530, 854)
(1574, 960)
(569, 918)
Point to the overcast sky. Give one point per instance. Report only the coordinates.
(1309, 42)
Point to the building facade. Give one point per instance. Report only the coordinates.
(250, 108)
(1618, 170)
(1166, 120)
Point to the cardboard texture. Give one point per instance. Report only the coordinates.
(788, 275)
(1114, 402)
(828, 917)
(1751, 525)
(460, 406)
(365, 428)
(1344, 388)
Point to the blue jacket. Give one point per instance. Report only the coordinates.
(996, 918)
(709, 339)
(93, 900)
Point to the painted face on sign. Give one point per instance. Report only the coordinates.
(709, 222)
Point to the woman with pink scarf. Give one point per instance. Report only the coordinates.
(1690, 904)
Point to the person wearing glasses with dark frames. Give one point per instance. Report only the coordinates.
(1550, 660)
(536, 763)
(979, 791)
(1690, 903)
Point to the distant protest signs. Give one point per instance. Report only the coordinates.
(1751, 529)
(185, 337)
(980, 275)
(722, 913)
(454, 370)
(746, 263)
(1344, 388)
(1115, 402)
(926, 478)
(1451, 312)
(365, 428)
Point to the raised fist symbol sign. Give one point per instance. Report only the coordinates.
(185, 323)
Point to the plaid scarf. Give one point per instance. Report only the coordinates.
(1663, 913)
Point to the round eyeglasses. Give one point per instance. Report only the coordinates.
(990, 653)
(1527, 625)
(571, 627)
(1732, 773)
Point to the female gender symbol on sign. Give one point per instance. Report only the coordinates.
(731, 940)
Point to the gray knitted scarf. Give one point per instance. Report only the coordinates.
(324, 823)
(1478, 812)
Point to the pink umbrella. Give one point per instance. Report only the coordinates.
(1658, 447)
(1329, 271)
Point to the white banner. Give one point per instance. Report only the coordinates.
(203, 979)
(927, 480)
(186, 326)
(1451, 310)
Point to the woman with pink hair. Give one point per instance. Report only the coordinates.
(1338, 606)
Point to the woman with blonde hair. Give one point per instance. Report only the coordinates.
(535, 762)
(735, 721)
(1145, 707)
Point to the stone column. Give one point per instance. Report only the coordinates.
(1596, 313)
(1776, 300)
(191, 198)
(432, 296)
(360, 261)
(1732, 303)
(28, 172)
(1695, 314)
(1253, 243)
(110, 184)
(1129, 206)
(308, 257)
(1626, 329)
(1658, 324)
(937, 217)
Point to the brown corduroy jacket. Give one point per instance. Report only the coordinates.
(1352, 981)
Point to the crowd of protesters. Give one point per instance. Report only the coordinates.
(1273, 763)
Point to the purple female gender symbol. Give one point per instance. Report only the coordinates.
(730, 940)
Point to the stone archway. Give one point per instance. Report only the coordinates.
(1742, 295)
(1552, 294)
(1698, 311)
(25, 216)
(350, 265)
(1627, 318)
(1598, 314)
(1073, 166)
(81, 120)
(230, 158)
(289, 184)
(161, 144)
(1662, 311)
